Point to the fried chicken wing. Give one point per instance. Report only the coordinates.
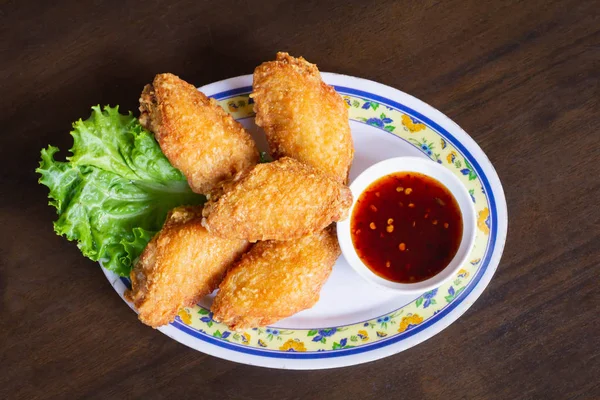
(275, 280)
(180, 265)
(195, 133)
(303, 117)
(281, 200)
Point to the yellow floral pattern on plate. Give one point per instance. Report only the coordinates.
(293, 345)
(400, 321)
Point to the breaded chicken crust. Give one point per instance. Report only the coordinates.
(195, 133)
(275, 280)
(180, 265)
(280, 200)
(303, 117)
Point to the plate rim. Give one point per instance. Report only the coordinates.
(377, 91)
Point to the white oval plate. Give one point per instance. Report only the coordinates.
(353, 322)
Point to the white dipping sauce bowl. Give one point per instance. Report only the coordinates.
(435, 171)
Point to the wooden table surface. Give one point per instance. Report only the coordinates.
(521, 77)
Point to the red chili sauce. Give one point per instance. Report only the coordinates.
(406, 227)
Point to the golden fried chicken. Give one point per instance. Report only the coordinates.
(275, 280)
(303, 117)
(180, 265)
(195, 133)
(281, 200)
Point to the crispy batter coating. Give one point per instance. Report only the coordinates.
(180, 265)
(195, 133)
(281, 200)
(275, 280)
(303, 117)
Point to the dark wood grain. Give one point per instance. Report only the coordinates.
(522, 77)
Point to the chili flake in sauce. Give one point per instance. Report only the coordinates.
(406, 227)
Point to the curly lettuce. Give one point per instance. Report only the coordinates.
(112, 194)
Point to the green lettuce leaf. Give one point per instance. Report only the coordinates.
(264, 157)
(115, 189)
